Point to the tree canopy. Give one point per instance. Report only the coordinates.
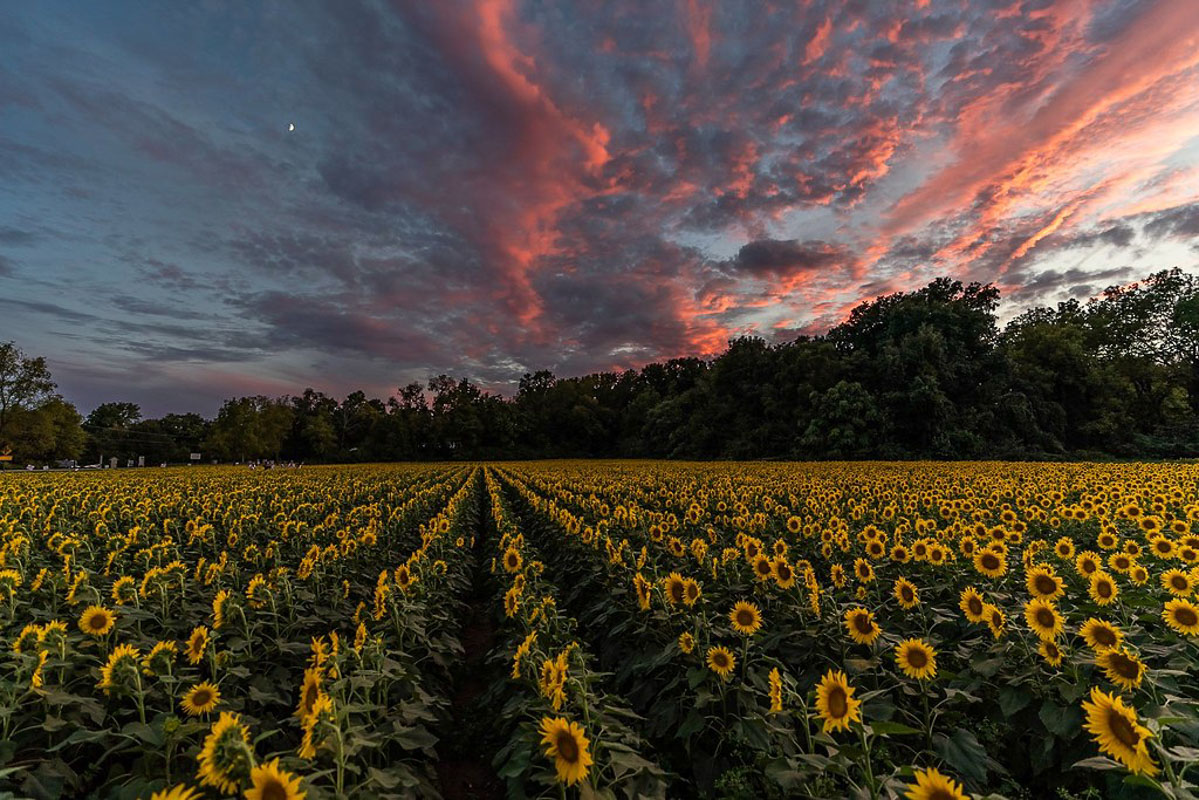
(923, 374)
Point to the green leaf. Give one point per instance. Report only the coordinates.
(1012, 699)
(893, 728)
(1062, 721)
(963, 752)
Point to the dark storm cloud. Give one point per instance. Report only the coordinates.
(783, 258)
(499, 185)
(1182, 221)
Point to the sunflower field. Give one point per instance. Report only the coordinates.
(602, 629)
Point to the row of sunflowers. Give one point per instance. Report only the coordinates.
(656, 630)
(201, 633)
(882, 630)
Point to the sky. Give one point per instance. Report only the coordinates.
(489, 187)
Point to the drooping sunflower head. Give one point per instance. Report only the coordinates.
(746, 618)
(178, 792)
(225, 755)
(916, 658)
(120, 672)
(160, 659)
(861, 626)
(96, 620)
(200, 699)
(1117, 731)
(567, 744)
(932, 785)
(721, 661)
(835, 702)
(776, 691)
(270, 782)
(642, 587)
(310, 690)
(1043, 619)
(1183, 616)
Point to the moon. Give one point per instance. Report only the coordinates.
(291, 126)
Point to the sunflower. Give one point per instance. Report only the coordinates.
(996, 620)
(1121, 668)
(1043, 583)
(1087, 563)
(310, 690)
(37, 680)
(776, 691)
(122, 666)
(513, 560)
(566, 743)
(1182, 616)
(272, 783)
(721, 661)
(784, 574)
(861, 626)
(1100, 635)
(179, 792)
(123, 592)
(1052, 654)
(746, 618)
(197, 643)
(686, 642)
(691, 591)
(1117, 731)
(218, 609)
(676, 588)
(863, 570)
(763, 568)
(906, 593)
(916, 658)
(932, 785)
(200, 699)
(990, 563)
(1103, 589)
(900, 554)
(1177, 582)
(1064, 548)
(835, 703)
(837, 576)
(318, 723)
(972, 604)
(1043, 619)
(96, 620)
(225, 755)
(642, 587)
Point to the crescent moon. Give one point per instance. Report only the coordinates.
(291, 126)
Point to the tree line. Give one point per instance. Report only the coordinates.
(922, 374)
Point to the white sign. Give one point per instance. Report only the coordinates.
(195, 456)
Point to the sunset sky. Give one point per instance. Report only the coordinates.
(492, 187)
